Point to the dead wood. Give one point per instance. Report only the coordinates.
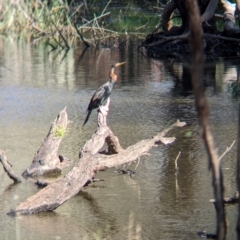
(173, 40)
(209, 11)
(46, 160)
(8, 167)
(167, 15)
(90, 162)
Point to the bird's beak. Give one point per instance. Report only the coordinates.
(119, 64)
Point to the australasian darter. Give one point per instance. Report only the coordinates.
(103, 92)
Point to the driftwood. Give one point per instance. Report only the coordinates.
(91, 161)
(8, 168)
(46, 160)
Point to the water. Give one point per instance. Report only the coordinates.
(35, 84)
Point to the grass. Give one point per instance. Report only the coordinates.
(58, 22)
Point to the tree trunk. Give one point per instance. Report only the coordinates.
(46, 159)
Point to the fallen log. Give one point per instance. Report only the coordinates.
(90, 162)
(46, 160)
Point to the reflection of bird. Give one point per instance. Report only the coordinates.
(103, 92)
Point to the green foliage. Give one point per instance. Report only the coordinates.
(234, 89)
(133, 20)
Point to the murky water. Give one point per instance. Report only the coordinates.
(35, 84)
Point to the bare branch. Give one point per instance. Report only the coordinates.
(226, 151)
(196, 45)
(210, 10)
(80, 35)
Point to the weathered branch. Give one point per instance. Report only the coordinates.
(47, 160)
(169, 39)
(80, 35)
(210, 10)
(8, 168)
(86, 167)
(167, 15)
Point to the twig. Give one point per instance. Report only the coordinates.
(108, 13)
(176, 165)
(8, 168)
(61, 35)
(227, 150)
(106, 7)
(168, 39)
(80, 35)
(100, 29)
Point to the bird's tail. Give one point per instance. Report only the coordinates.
(87, 117)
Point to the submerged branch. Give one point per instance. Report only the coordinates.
(8, 168)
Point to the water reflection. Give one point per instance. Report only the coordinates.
(36, 83)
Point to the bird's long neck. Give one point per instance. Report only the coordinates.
(112, 75)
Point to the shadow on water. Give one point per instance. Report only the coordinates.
(36, 84)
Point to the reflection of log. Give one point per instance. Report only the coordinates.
(88, 165)
(229, 200)
(8, 168)
(46, 160)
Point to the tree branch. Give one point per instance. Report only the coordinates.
(197, 60)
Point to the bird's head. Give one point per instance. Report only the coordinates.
(112, 74)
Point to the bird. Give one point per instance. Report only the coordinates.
(102, 92)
